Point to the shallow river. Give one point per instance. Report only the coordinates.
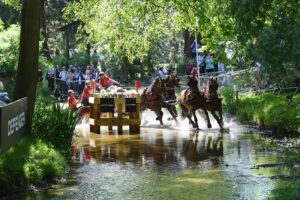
(173, 163)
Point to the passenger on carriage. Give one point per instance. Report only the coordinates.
(86, 93)
(105, 81)
(72, 101)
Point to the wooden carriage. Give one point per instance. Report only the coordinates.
(119, 111)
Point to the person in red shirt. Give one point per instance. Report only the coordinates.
(72, 101)
(105, 81)
(86, 94)
(93, 85)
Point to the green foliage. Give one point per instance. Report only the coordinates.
(59, 60)
(9, 50)
(29, 161)
(269, 32)
(229, 100)
(12, 3)
(43, 162)
(271, 110)
(126, 28)
(54, 124)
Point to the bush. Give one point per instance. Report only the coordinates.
(229, 101)
(271, 110)
(29, 161)
(54, 124)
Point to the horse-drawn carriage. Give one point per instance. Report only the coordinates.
(161, 94)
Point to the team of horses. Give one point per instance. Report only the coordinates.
(161, 94)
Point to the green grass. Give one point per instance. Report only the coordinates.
(270, 110)
(29, 161)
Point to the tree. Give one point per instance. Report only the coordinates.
(26, 80)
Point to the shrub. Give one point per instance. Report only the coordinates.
(29, 161)
(54, 124)
(229, 101)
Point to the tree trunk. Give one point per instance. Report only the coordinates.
(124, 70)
(88, 53)
(27, 72)
(46, 50)
(67, 40)
(188, 41)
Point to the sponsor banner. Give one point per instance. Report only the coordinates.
(13, 123)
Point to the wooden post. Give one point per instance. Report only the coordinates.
(110, 116)
(94, 114)
(119, 103)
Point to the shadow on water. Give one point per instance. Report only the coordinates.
(170, 163)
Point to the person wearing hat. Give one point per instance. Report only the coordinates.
(105, 81)
(72, 101)
(86, 93)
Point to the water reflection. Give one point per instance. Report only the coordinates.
(152, 148)
(170, 164)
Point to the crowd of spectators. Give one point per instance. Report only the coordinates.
(206, 65)
(62, 79)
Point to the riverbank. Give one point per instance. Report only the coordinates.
(277, 114)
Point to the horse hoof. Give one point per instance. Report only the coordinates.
(170, 118)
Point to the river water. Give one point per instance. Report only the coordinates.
(173, 162)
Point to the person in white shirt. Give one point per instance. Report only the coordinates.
(209, 64)
(63, 81)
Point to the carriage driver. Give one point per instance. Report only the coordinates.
(105, 81)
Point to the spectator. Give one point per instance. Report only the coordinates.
(69, 79)
(194, 47)
(209, 64)
(221, 67)
(201, 63)
(188, 67)
(63, 80)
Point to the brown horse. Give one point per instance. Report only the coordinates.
(168, 88)
(153, 99)
(213, 101)
(193, 99)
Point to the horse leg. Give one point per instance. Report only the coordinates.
(159, 114)
(173, 114)
(161, 117)
(218, 119)
(195, 119)
(207, 118)
(185, 113)
(221, 117)
(174, 110)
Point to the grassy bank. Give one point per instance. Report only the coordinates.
(31, 161)
(268, 110)
(42, 156)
